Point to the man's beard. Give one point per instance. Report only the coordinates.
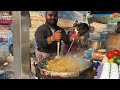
(51, 23)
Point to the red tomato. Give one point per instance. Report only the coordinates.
(109, 54)
(116, 52)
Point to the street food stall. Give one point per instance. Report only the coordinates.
(100, 60)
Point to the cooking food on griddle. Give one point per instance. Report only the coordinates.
(66, 64)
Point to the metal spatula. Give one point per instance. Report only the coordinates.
(58, 50)
(70, 46)
(72, 41)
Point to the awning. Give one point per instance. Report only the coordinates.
(103, 12)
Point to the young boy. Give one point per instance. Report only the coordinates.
(81, 43)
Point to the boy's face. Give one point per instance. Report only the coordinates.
(82, 31)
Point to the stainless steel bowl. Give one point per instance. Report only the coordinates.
(95, 44)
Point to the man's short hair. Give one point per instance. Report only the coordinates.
(47, 11)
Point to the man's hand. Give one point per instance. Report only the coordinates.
(56, 36)
(74, 36)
